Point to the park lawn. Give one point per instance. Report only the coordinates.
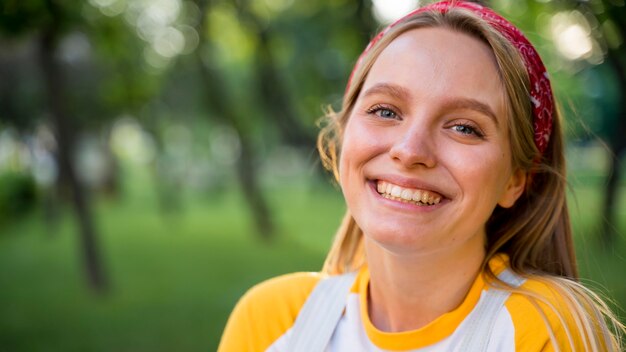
(175, 276)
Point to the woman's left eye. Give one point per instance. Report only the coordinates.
(467, 130)
(386, 113)
(383, 112)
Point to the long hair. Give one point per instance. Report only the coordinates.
(535, 233)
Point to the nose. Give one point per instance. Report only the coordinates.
(413, 148)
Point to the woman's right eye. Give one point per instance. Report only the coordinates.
(382, 112)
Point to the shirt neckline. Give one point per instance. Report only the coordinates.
(435, 331)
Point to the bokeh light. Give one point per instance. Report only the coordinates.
(130, 141)
(572, 35)
(387, 11)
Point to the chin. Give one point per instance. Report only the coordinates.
(397, 240)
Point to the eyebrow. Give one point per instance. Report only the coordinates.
(473, 104)
(388, 89)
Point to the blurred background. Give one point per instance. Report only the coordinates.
(157, 156)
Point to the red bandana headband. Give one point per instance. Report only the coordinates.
(540, 90)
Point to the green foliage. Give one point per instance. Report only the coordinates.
(18, 196)
(123, 83)
(21, 16)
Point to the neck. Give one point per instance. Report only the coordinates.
(407, 292)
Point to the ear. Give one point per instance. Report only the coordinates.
(514, 188)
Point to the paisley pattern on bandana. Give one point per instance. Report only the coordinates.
(540, 93)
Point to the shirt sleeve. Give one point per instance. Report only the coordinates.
(539, 315)
(266, 312)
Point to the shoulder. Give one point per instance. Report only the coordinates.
(540, 309)
(290, 289)
(267, 311)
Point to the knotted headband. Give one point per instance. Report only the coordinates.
(540, 89)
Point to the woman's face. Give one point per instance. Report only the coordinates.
(425, 156)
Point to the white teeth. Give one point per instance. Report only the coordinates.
(420, 197)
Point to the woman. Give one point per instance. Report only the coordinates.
(449, 153)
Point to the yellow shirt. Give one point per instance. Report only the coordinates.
(262, 319)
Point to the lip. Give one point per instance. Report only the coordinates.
(401, 205)
(406, 182)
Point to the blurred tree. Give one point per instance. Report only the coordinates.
(608, 20)
(293, 44)
(18, 194)
(48, 19)
(612, 28)
(221, 103)
(273, 93)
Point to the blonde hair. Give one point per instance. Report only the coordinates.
(535, 233)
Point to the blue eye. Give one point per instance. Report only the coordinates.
(467, 130)
(383, 112)
(386, 113)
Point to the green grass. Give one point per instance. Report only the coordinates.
(176, 276)
(603, 269)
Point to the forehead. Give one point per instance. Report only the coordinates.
(435, 64)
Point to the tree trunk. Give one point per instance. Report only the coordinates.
(111, 185)
(616, 141)
(246, 171)
(246, 168)
(617, 145)
(275, 96)
(54, 88)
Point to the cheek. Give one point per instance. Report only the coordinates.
(358, 146)
(348, 165)
(495, 170)
(345, 155)
(485, 173)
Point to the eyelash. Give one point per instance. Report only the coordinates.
(472, 129)
(376, 109)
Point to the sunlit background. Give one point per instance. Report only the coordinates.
(157, 157)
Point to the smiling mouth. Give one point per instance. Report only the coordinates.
(407, 195)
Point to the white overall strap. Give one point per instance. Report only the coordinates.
(320, 314)
(483, 319)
